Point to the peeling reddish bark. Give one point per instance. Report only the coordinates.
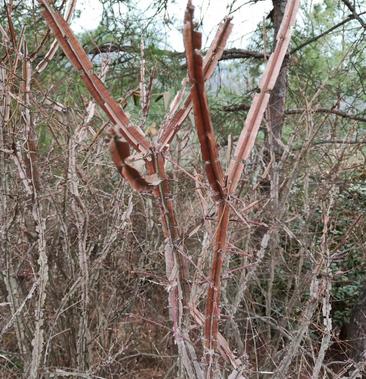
(199, 71)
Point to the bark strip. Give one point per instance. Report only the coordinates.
(183, 104)
(202, 117)
(244, 147)
(42, 65)
(81, 62)
(120, 151)
(260, 102)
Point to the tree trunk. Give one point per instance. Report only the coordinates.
(356, 330)
(276, 106)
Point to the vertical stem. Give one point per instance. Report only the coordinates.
(212, 312)
(276, 105)
(170, 225)
(7, 272)
(176, 269)
(81, 220)
(32, 184)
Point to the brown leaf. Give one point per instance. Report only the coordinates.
(120, 151)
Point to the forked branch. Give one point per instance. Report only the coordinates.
(244, 147)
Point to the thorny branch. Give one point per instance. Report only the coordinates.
(199, 71)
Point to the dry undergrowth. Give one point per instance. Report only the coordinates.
(84, 283)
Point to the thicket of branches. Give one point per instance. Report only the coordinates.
(153, 235)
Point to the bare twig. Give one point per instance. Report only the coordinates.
(321, 35)
(327, 285)
(246, 107)
(82, 222)
(29, 167)
(328, 111)
(348, 4)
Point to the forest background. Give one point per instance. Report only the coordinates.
(85, 279)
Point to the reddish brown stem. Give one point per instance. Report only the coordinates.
(260, 101)
(176, 117)
(212, 313)
(244, 147)
(202, 117)
(206, 136)
(81, 62)
(54, 46)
